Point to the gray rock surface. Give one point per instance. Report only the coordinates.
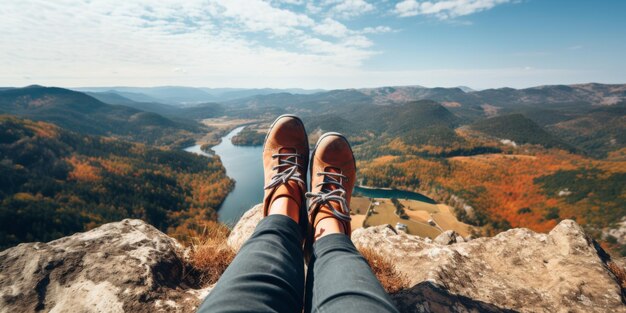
(128, 266)
(448, 237)
(244, 228)
(517, 270)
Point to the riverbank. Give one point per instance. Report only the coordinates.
(221, 127)
(389, 193)
(372, 187)
(244, 165)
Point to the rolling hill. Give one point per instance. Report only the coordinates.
(82, 113)
(518, 128)
(117, 99)
(600, 131)
(174, 95)
(189, 96)
(558, 112)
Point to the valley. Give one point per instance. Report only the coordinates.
(499, 158)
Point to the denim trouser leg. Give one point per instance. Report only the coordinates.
(267, 275)
(340, 280)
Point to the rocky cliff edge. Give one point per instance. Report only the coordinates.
(130, 266)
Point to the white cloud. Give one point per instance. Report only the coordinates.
(358, 41)
(294, 2)
(348, 8)
(377, 30)
(194, 42)
(215, 43)
(261, 16)
(333, 28)
(346, 54)
(313, 9)
(445, 9)
(330, 27)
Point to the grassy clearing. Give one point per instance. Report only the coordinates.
(446, 219)
(384, 213)
(220, 126)
(419, 213)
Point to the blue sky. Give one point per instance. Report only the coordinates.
(312, 44)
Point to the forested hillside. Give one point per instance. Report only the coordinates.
(79, 112)
(518, 128)
(54, 182)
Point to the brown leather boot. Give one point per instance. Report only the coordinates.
(333, 173)
(285, 159)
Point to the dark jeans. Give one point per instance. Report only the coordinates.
(268, 275)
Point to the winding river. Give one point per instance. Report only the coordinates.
(245, 166)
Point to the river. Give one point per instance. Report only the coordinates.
(245, 166)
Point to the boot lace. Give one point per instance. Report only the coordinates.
(317, 199)
(287, 169)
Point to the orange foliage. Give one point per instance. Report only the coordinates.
(508, 185)
(117, 166)
(45, 130)
(82, 170)
(618, 155)
(501, 185)
(383, 160)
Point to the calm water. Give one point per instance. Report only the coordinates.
(391, 193)
(244, 165)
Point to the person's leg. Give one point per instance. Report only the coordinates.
(267, 275)
(338, 278)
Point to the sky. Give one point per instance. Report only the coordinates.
(327, 44)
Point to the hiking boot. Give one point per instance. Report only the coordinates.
(285, 159)
(333, 173)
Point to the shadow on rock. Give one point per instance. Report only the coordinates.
(429, 297)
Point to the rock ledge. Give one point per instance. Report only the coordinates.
(130, 266)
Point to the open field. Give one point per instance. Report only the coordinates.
(383, 212)
(358, 208)
(220, 126)
(357, 221)
(446, 219)
(227, 122)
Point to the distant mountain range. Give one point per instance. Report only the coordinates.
(188, 96)
(585, 116)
